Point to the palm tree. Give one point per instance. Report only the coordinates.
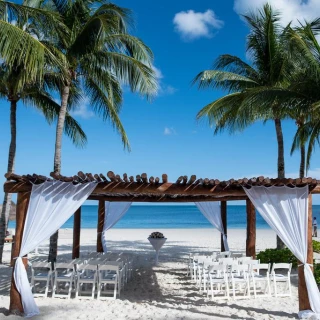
(305, 88)
(253, 90)
(35, 95)
(101, 57)
(25, 62)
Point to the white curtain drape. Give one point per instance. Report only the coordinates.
(286, 211)
(114, 212)
(51, 205)
(211, 210)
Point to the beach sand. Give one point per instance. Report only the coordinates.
(157, 292)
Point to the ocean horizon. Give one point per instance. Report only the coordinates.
(169, 217)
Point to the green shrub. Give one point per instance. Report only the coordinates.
(317, 272)
(316, 246)
(277, 256)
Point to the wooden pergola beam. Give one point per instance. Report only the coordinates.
(101, 216)
(21, 213)
(251, 230)
(162, 198)
(223, 208)
(304, 303)
(76, 234)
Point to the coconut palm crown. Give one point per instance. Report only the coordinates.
(253, 89)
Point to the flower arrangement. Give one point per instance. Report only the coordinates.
(156, 235)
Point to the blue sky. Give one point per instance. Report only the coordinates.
(186, 37)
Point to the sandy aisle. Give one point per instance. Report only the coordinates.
(162, 292)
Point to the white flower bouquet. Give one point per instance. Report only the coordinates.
(156, 235)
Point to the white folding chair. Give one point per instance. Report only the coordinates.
(258, 277)
(218, 281)
(108, 275)
(203, 270)
(236, 255)
(239, 275)
(252, 265)
(242, 260)
(86, 275)
(227, 261)
(41, 272)
(279, 277)
(63, 273)
(224, 254)
(199, 267)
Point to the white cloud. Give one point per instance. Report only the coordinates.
(192, 25)
(164, 89)
(291, 10)
(82, 110)
(169, 131)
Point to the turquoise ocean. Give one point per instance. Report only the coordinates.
(168, 216)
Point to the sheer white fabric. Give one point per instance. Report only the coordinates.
(286, 211)
(211, 210)
(51, 205)
(114, 212)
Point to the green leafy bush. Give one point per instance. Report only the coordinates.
(277, 256)
(316, 246)
(317, 272)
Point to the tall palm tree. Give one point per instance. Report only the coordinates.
(101, 56)
(35, 95)
(253, 90)
(305, 88)
(25, 60)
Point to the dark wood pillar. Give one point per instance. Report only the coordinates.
(101, 215)
(76, 234)
(251, 230)
(302, 288)
(21, 213)
(224, 222)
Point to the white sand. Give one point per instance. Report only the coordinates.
(162, 292)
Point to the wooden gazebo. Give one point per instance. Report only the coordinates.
(143, 189)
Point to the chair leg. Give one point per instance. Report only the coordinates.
(254, 289)
(47, 287)
(98, 290)
(54, 287)
(77, 288)
(70, 288)
(289, 284)
(275, 287)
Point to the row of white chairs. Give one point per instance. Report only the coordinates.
(99, 271)
(226, 272)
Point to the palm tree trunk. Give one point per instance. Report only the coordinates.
(281, 172)
(4, 217)
(53, 250)
(60, 127)
(302, 161)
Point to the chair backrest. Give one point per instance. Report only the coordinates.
(225, 254)
(251, 262)
(217, 269)
(287, 266)
(42, 264)
(243, 259)
(86, 267)
(63, 265)
(108, 267)
(239, 269)
(226, 261)
(262, 266)
(236, 255)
